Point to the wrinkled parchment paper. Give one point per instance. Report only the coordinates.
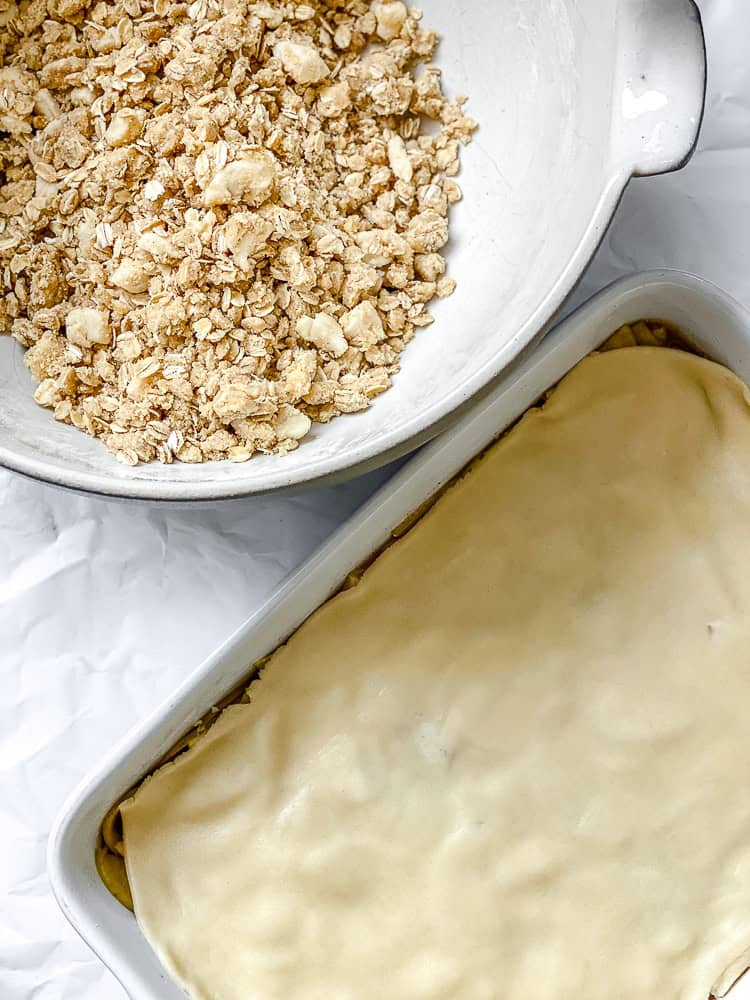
(104, 607)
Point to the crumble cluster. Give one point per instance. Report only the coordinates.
(220, 221)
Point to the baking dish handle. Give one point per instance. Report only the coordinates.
(660, 90)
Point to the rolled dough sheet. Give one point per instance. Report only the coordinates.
(511, 763)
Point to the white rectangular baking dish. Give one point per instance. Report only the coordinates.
(716, 325)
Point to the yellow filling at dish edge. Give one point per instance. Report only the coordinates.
(506, 763)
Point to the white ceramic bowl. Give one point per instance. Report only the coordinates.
(715, 323)
(573, 98)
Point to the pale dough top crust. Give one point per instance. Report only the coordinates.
(511, 763)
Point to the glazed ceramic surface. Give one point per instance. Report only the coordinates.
(718, 327)
(573, 97)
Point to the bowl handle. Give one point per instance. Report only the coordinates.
(660, 86)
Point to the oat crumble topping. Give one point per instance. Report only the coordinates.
(219, 220)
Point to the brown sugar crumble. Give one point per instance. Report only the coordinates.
(219, 220)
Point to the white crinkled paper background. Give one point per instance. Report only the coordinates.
(104, 607)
